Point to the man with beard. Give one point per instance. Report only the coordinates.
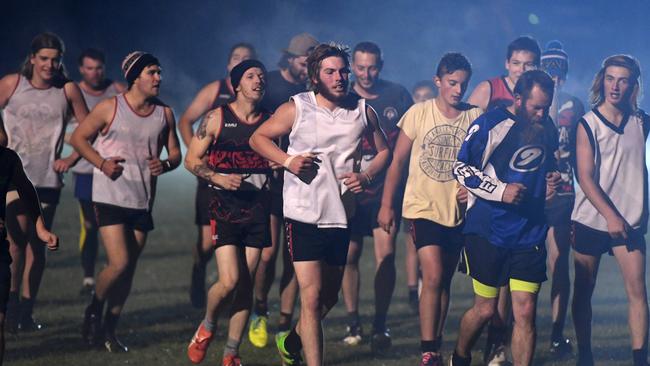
(214, 94)
(95, 87)
(325, 127)
(291, 79)
(523, 54)
(238, 180)
(391, 101)
(507, 162)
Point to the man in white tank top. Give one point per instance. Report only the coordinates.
(95, 87)
(325, 127)
(611, 207)
(212, 95)
(125, 154)
(36, 104)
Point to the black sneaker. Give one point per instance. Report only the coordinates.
(28, 324)
(198, 296)
(11, 317)
(380, 341)
(561, 348)
(91, 328)
(114, 345)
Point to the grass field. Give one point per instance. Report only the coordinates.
(158, 320)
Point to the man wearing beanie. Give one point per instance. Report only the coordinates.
(212, 95)
(565, 111)
(239, 217)
(289, 80)
(131, 129)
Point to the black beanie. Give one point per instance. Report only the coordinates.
(135, 62)
(238, 71)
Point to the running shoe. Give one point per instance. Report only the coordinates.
(431, 359)
(91, 328)
(288, 359)
(561, 348)
(353, 335)
(497, 357)
(28, 324)
(199, 344)
(380, 341)
(231, 360)
(114, 345)
(257, 331)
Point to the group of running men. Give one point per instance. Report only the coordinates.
(306, 160)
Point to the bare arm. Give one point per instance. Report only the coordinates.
(278, 125)
(157, 166)
(7, 85)
(199, 106)
(382, 159)
(480, 96)
(80, 111)
(394, 175)
(616, 225)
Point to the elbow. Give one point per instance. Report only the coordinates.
(252, 141)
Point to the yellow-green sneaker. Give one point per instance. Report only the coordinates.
(257, 332)
(288, 359)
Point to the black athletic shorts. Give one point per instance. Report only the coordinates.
(364, 220)
(251, 234)
(307, 242)
(494, 266)
(202, 203)
(426, 232)
(49, 195)
(106, 214)
(5, 275)
(558, 210)
(586, 240)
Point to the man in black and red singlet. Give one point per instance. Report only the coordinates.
(238, 181)
(212, 95)
(390, 101)
(523, 55)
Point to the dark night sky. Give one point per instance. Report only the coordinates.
(192, 38)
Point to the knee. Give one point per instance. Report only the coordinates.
(485, 310)
(118, 266)
(229, 282)
(310, 301)
(431, 281)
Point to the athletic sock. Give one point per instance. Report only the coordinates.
(379, 324)
(231, 348)
(413, 293)
(353, 319)
(209, 325)
(261, 308)
(292, 343)
(284, 324)
(96, 305)
(457, 360)
(640, 356)
(110, 322)
(26, 307)
(556, 334)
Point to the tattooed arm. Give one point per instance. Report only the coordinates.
(208, 131)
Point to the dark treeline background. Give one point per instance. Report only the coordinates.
(192, 38)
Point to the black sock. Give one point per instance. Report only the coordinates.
(430, 346)
(457, 360)
(556, 333)
(640, 356)
(379, 324)
(12, 303)
(96, 306)
(261, 308)
(353, 319)
(284, 324)
(26, 307)
(110, 322)
(497, 335)
(292, 343)
(413, 293)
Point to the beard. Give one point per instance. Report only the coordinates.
(327, 94)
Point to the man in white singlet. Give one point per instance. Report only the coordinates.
(36, 104)
(95, 87)
(325, 127)
(131, 129)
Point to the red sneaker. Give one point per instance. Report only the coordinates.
(199, 344)
(231, 360)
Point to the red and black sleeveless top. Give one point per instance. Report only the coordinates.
(230, 152)
(500, 93)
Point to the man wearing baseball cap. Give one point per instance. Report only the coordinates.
(565, 111)
(282, 84)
